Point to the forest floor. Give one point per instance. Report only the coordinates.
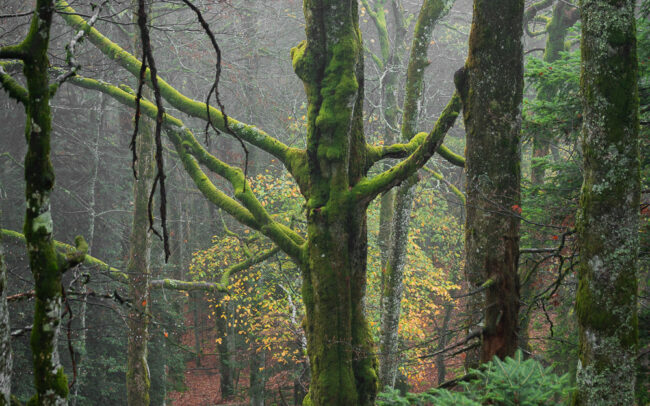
(203, 381)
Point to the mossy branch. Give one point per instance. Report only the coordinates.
(535, 8)
(88, 260)
(430, 13)
(174, 284)
(369, 9)
(451, 186)
(375, 58)
(15, 90)
(530, 15)
(194, 108)
(248, 211)
(375, 153)
(13, 52)
(451, 156)
(222, 285)
(74, 255)
(368, 189)
(378, 16)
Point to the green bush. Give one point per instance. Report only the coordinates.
(514, 381)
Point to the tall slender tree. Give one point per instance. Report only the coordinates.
(395, 258)
(491, 85)
(46, 263)
(138, 267)
(608, 218)
(5, 335)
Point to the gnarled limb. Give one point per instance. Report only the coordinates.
(222, 285)
(88, 260)
(15, 90)
(531, 15)
(368, 189)
(248, 210)
(194, 108)
(377, 153)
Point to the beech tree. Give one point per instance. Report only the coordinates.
(46, 263)
(138, 266)
(491, 85)
(5, 337)
(396, 204)
(331, 174)
(608, 218)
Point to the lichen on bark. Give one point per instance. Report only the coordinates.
(491, 85)
(5, 334)
(606, 303)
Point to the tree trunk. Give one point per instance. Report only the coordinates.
(47, 266)
(257, 377)
(339, 344)
(393, 269)
(393, 285)
(5, 334)
(445, 335)
(226, 380)
(137, 378)
(491, 86)
(606, 303)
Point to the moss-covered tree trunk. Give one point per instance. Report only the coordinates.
(5, 333)
(608, 219)
(491, 86)
(331, 173)
(46, 264)
(339, 344)
(138, 267)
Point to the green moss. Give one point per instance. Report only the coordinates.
(191, 107)
(608, 218)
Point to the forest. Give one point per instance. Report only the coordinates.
(325, 202)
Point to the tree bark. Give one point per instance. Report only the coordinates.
(257, 377)
(608, 219)
(5, 334)
(339, 344)
(138, 380)
(491, 86)
(137, 377)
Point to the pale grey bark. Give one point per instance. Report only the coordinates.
(92, 215)
(5, 333)
(608, 219)
(393, 286)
